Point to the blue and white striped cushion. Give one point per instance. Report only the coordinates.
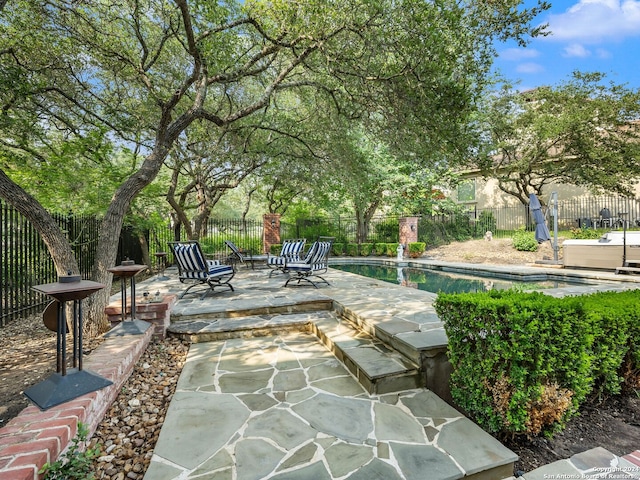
(315, 259)
(276, 261)
(193, 265)
(292, 248)
(290, 252)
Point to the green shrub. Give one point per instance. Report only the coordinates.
(380, 248)
(485, 222)
(392, 249)
(387, 231)
(521, 361)
(352, 249)
(73, 464)
(275, 249)
(524, 362)
(613, 319)
(337, 249)
(366, 249)
(416, 249)
(524, 241)
(460, 228)
(585, 233)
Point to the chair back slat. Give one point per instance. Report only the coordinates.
(190, 258)
(292, 247)
(319, 252)
(233, 247)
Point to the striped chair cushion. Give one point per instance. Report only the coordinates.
(291, 252)
(306, 267)
(276, 260)
(194, 265)
(315, 260)
(291, 248)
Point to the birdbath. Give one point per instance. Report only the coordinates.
(128, 270)
(67, 384)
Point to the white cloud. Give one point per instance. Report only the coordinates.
(592, 21)
(603, 53)
(576, 50)
(529, 67)
(517, 54)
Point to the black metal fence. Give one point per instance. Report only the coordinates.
(25, 260)
(575, 213)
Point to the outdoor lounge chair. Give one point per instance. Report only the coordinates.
(314, 264)
(194, 267)
(291, 251)
(245, 257)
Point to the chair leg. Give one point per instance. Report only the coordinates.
(306, 278)
(187, 289)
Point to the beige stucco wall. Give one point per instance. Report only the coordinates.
(576, 203)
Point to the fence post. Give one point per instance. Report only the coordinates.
(270, 230)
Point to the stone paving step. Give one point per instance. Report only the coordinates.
(284, 408)
(377, 367)
(591, 464)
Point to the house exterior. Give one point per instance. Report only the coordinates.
(577, 207)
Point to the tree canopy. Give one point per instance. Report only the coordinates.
(583, 132)
(139, 74)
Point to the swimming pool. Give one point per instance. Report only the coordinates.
(437, 281)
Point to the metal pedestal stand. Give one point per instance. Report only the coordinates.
(65, 385)
(132, 326)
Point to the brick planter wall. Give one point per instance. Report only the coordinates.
(35, 437)
(156, 313)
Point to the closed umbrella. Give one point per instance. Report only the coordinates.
(542, 232)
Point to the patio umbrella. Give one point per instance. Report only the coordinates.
(542, 232)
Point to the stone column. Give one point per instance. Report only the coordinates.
(408, 230)
(270, 230)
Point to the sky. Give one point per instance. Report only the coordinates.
(586, 35)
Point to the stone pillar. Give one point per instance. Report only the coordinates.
(408, 230)
(270, 230)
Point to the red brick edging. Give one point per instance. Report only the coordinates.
(35, 437)
(633, 457)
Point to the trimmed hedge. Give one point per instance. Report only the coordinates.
(380, 249)
(416, 249)
(524, 362)
(352, 249)
(275, 249)
(366, 249)
(392, 249)
(337, 249)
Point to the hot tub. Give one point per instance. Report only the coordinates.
(604, 253)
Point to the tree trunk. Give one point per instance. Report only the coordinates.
(56, 241)
(110, 229)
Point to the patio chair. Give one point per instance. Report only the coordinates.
(291, 251)
(315, 263)
(245, 257)
(194, 267)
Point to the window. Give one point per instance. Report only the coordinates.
(467, 191)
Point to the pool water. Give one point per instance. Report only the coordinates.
(435, 281)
